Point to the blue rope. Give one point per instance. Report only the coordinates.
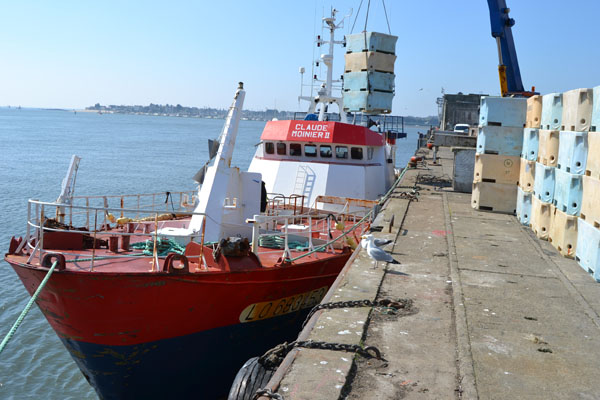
(27, 308)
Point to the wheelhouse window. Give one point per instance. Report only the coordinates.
(295, 149)
(341, 152)
(370, 151)
(281, 149)
(356, 153)
(310, 150)
(269, 148)
(325, 151)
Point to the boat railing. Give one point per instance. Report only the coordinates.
(304, 232)
(308, 232)
(175, 202)
(278, 203)
(43, 218)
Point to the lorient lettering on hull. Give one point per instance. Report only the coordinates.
(235, 270)
(270, 309)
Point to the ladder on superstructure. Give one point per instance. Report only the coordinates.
(304, 182)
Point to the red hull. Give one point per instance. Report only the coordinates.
(131, 308)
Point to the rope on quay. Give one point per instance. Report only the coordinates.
(27, 308)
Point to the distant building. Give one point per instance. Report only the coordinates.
(460, 109)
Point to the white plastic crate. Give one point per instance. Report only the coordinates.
(530, 144)
(505, 140)
(552, 111)
(496, 168)
(524, 206)
(572, 152)
(534, 112)
(563, 232)
(541, 218)
(527, 175)
(568, 192)
(543, 186)
(548, 147)
(577, 110)
(502, 111)
(587, 253)
(497, 197)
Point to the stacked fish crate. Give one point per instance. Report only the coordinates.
(369, 73)
(497, 159)
(571, 162)
(587, 252)
(545, 166)
(529, 155)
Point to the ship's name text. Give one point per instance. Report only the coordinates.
(310, 131)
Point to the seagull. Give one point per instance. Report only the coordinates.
(376, 242)
(376, 253)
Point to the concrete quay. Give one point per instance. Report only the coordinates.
(496, 313)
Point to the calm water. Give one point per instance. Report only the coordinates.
(120, 154)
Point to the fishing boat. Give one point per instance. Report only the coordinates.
(166, 299)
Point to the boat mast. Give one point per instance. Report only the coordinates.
(230, 129)
(325, 94)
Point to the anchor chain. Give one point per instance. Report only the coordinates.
(272, 358)
(267, 393)
(397, 304)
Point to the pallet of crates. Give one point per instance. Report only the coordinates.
(543, 195)
(546, 159)
(577, 191)
(587, 252)
(570, 166)
(497, 159)
(369, 73)
(528, 158)
(592, 168)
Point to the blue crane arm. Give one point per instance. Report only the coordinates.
(501, 30)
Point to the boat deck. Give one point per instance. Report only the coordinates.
(129, 259)
(496, 313)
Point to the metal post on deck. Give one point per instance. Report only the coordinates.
(87, 213)
(202, 261)
(41, 233)
(28, 231)
(286, 249)
(94, 241)
(255, 234)
(310, 242)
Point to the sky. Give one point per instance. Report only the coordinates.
(73, 54)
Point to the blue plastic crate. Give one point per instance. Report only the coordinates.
(368, 102)
(572, 152)
(587, 252)
(543, 186)
(371, 41)
(552, 111)
(502, 111)
(530, 144)
(568, 191)
(369, 80)
(596, 111)
(524, 206)
(502, 140)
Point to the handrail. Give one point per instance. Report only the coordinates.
(345, 233)
(134, 194)
(131, 210)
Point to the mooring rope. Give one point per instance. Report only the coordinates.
(27, 308)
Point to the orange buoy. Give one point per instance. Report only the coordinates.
(430, 146)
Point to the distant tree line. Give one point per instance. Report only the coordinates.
(219, 113)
